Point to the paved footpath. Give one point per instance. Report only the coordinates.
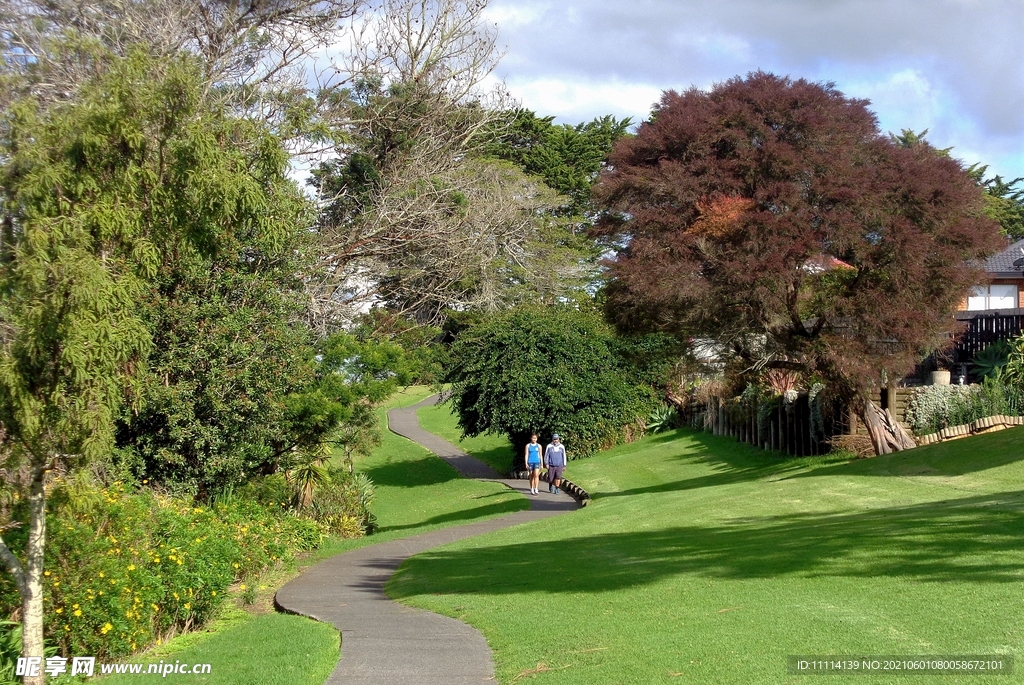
(384, 642)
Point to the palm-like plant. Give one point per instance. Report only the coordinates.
(309, 472)
(663, 418)
(990, 362)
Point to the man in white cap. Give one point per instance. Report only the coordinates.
(555, 459)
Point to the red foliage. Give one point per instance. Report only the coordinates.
(725, 197)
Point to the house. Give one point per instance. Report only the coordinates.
(1006, 289)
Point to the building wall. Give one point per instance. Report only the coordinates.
(1019, 282)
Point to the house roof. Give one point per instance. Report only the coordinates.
(824, 262)
(1002, 262)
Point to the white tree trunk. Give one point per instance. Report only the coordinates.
(32, 595)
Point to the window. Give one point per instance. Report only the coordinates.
(992, 297)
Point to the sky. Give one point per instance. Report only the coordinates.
(954, 67)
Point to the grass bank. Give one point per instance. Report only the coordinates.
(705, 561)
(415, 492)
(492, 449)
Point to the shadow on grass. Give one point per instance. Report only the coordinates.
(428, 470)
(977, 539)
(734, 462)
(952, 458)
(730, 462)
(487, 510)
(498, 458)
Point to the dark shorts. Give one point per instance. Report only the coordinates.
(555, 473)
(533, 466)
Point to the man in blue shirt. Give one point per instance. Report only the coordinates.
(555, 459)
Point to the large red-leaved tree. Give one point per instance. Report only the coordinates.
(773, 217)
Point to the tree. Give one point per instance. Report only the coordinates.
(253, 54)
(544, 370)
(1004, 201)
(150, 247)
(417, 215)
(568, 158)
(76, 250)
(772, 217)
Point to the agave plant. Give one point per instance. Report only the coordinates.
(663, 418)
(990, 362)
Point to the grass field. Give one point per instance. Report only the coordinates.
(415, 492)
(493, 449)
(701, 560)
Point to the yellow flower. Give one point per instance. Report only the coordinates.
(46, 573)
(187, 605)
(242, 586)
(214, 593)
(131, 567)
(78, 612)
(101, 574)
(59, 610)
(56, 583)
(74, 606)
(106, 628)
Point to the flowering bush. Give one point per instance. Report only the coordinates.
(935, 407)
(124, 569)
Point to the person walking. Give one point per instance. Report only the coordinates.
(555, 460)
(532, 458)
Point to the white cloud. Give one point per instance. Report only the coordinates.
(574, 101)
(955, 67)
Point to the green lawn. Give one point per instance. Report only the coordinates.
(415, 492)
(701, 560)
(493, 449)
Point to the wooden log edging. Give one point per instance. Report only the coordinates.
(985, 425)
(578, 493)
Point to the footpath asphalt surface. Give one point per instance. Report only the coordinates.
(384, 642)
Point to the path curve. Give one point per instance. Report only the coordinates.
(387, 643)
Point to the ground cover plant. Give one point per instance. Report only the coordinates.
(414, 492)
(703, 560)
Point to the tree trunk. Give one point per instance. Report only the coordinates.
(32, 599)
(887, 434)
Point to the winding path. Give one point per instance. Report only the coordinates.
(387, 643)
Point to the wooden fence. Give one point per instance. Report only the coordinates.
(983, 329)
(785, 426)
(789, 427)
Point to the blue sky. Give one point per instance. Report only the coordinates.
(954, 67)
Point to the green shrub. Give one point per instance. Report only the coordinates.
(342, 504)
(663, 418)
(935, 407)
(10, 650)
(990, 362)
(546, 370)
(125, 568)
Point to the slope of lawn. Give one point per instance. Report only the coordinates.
(492, 449)
(702, 560)
(415, 492)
